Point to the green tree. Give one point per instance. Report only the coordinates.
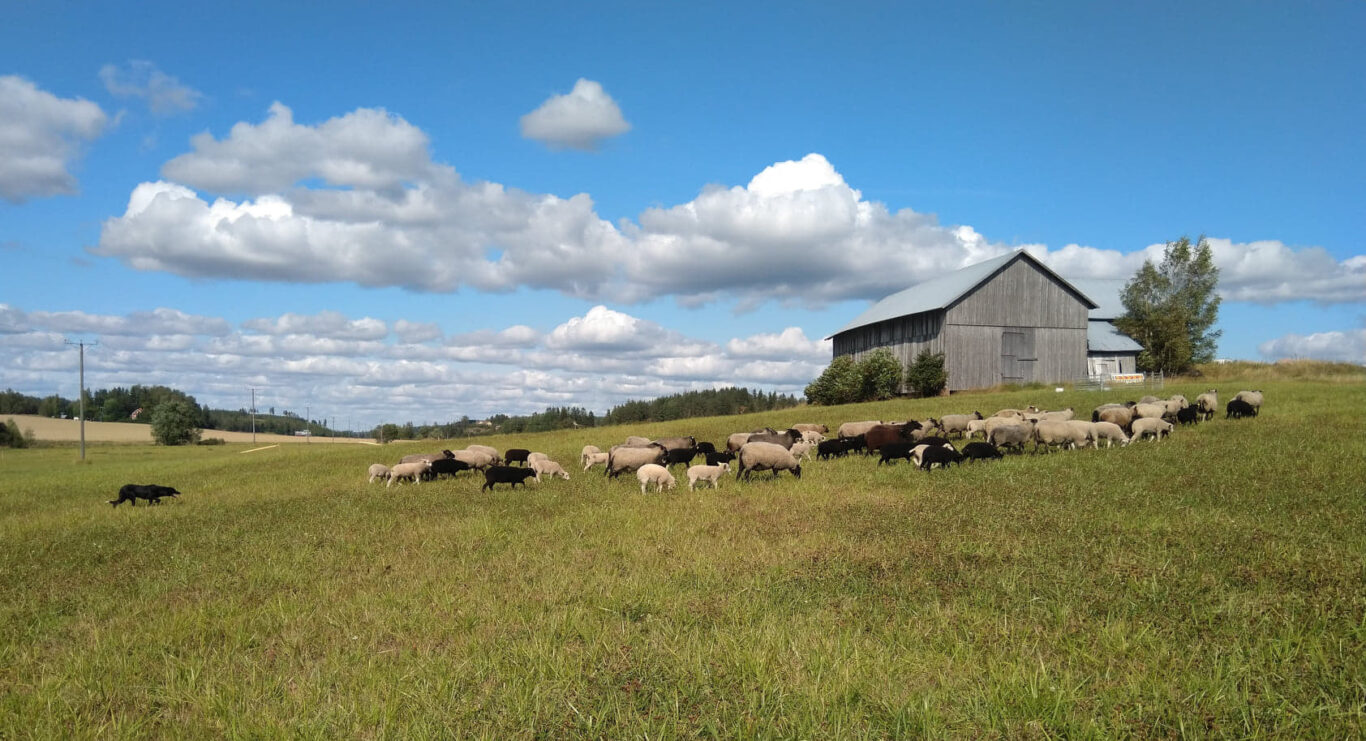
(11, 437)
(926, 376)
(176, 422)
(52, 406)
(881, 373)
(1170, 309)
(840, 383)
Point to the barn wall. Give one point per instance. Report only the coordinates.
(1021, 296)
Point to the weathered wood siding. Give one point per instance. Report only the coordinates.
(905, 336)
(1021, 296)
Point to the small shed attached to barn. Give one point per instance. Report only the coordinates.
(1108, 350)
(1006, 320)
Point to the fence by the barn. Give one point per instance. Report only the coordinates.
(1106, 381)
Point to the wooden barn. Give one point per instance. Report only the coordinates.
(1006, 320)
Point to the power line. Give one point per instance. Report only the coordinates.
(81, 394)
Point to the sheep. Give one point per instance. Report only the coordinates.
(812, 427)
(832, 449)
(899, 449)
(477, 459)
(627, 458)
(445, 467)
(516, 455)
(1116, 414)
(636, 441)
(533, 456)
(412, 470)
(1018, 413)
(737, 440)
(855, 444)
(675, 456)
(854, 429)
(802, 450)
(981, 452)
(719, 456)
(811, 436)
(1150, 410)
(550, 468)
(761, 456)
(1014, 436)
(918, 452)
(594, 459)
(1149, 426)
(587, 451)
(1110, 433)
(705, 447)
(412, 457)
(1253, 398)
(1086, 429)
(707, 473)
(651, 473)
(677, 443)
(1174, 404)
(378, 471)
(1237, 409)
(994, 423)
(1062, 415)
(880, 435)
(935, 440)
(1052, 432)
(1188, 416)
(786, 438)
(1148, 399)
(1208, 404)
(490, 452)
(513, 475)
(941, 455)
(976, 426)
(951, 423)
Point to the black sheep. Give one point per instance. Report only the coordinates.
(679, 455)
(518, 455)
(153, 493)
(1188, 416)
(981, 452)
(505, 475)
(705, 447)
(718, 456)
(941, 455)
(935, 441)
(1238, 409)
(445, 467)
(893, 451)
(832, 449)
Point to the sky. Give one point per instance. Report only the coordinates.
(395, 212)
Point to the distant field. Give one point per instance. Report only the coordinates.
(1212, 585)
(66, 430)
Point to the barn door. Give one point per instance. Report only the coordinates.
(1017, 355)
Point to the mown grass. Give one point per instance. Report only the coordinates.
(1208, 586)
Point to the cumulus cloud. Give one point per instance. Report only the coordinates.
(40, 136)
(1345, 347)
(330, 324)
(165, 95)
(581, 119)
(790, 343)
(797, 233)
(140, 323)
(416, 331)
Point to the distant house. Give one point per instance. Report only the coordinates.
(1108, 350)
(1010, 319)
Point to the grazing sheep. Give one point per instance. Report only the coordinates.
(412, 471)
(1152, 427)
(1148, 399)
(705, 447)
(786, 438)
(719, 456)
(676, 443)
(1017, 413)
(941, 455)
(1253, 398)
(1062, 415)
(935, 440)
(880, 435)
(550, 468)
(378, 471)
(802, 450)
(1237, 409)
(594, 459)
(1117, 414)
(854, 429)
(918, 452)
(981, 452)
(651, 473)
(1208, 404)
(491, 452)
(994, 422)
(1052, 432)
(707, 473)
(535, 456)
(737, 440)
(1188, 415)
(856, 444)
(956, 423)
(516, 455)
(512, 475)
(676, 456)
(837, 448)
(976, 426)
(445, 467)
(761, 456)
(477, 459)
(811, 436)
(1174, 404)
(412, 457)
(1110, 433)
(628, 458)
(1014, 436)
(811, 427)
(636, 441)
(900, 449)
(587, 451)
(1150, 410)
(153, 493)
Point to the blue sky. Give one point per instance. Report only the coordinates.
(405, 213)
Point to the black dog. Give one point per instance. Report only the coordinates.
(151, 492)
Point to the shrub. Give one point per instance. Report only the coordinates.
(881, 374)
(175, 422)
(11, 437)
(212, 441)
(841, 383)
(926, 376)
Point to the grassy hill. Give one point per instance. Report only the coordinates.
(1208, 585)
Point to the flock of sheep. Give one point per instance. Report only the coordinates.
(924, 443)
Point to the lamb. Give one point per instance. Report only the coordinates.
(1188, 416)
(1051, 432)
(707, 473)
(1253, 398)
(918, 452)
(976, 426)
(411, 457)
(812, 427)
(378, 471)
(719, 456)
(1150, 426)
(516, 455)
(1237, 409)
(1150, 410)
(1208, 404)
(626, 458)
(587, 451)
(855, 443)
(981, 452)
(549, 468)
(832, 449)
(532, 457)
(1014, 436)
(761, 456)
(651, 473)
(512, 475)
(445, 467)
(899, 449)
(412, 470)
(802, 450)
(594, 459)
(955, 423)
(941, 455)
(1110, 433)
(153, 493)
(705, 447)
(811, 436)
(854, 429)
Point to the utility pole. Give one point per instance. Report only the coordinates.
(81, 397)
(308, 425)
(253, 415)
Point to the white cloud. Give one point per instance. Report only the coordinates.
(165, 95)
(518, 335)
(414, 332)
(40, 136)
(139, 323)
(579, 120)
(790, 343)
(330, 324)
(1346, 347)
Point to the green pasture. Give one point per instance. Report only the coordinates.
(1210, 585)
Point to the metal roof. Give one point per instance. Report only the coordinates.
(1102, 336)
(1104, 291)
(943, 291)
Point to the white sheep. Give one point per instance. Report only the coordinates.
(534, 456)
(547, 467)
(653, 473)
(959, 423)
(1253, 398)
(636, 441)
(1151, 426)
(587, 451)
(1208, 403)
(378, 471)
(854, 429)
(736, 440)
(412, 470)
(802, 450)
(594, 459)
(1053, 432)
(1150, 410)
(976, 427)
(812, 436)
(707, 473)
(760, 456)
(1110, 433)
(477, 459)
(491, 452)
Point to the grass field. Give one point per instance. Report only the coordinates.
(1211, 585)
(69, 430)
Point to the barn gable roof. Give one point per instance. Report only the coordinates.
(943, 291)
